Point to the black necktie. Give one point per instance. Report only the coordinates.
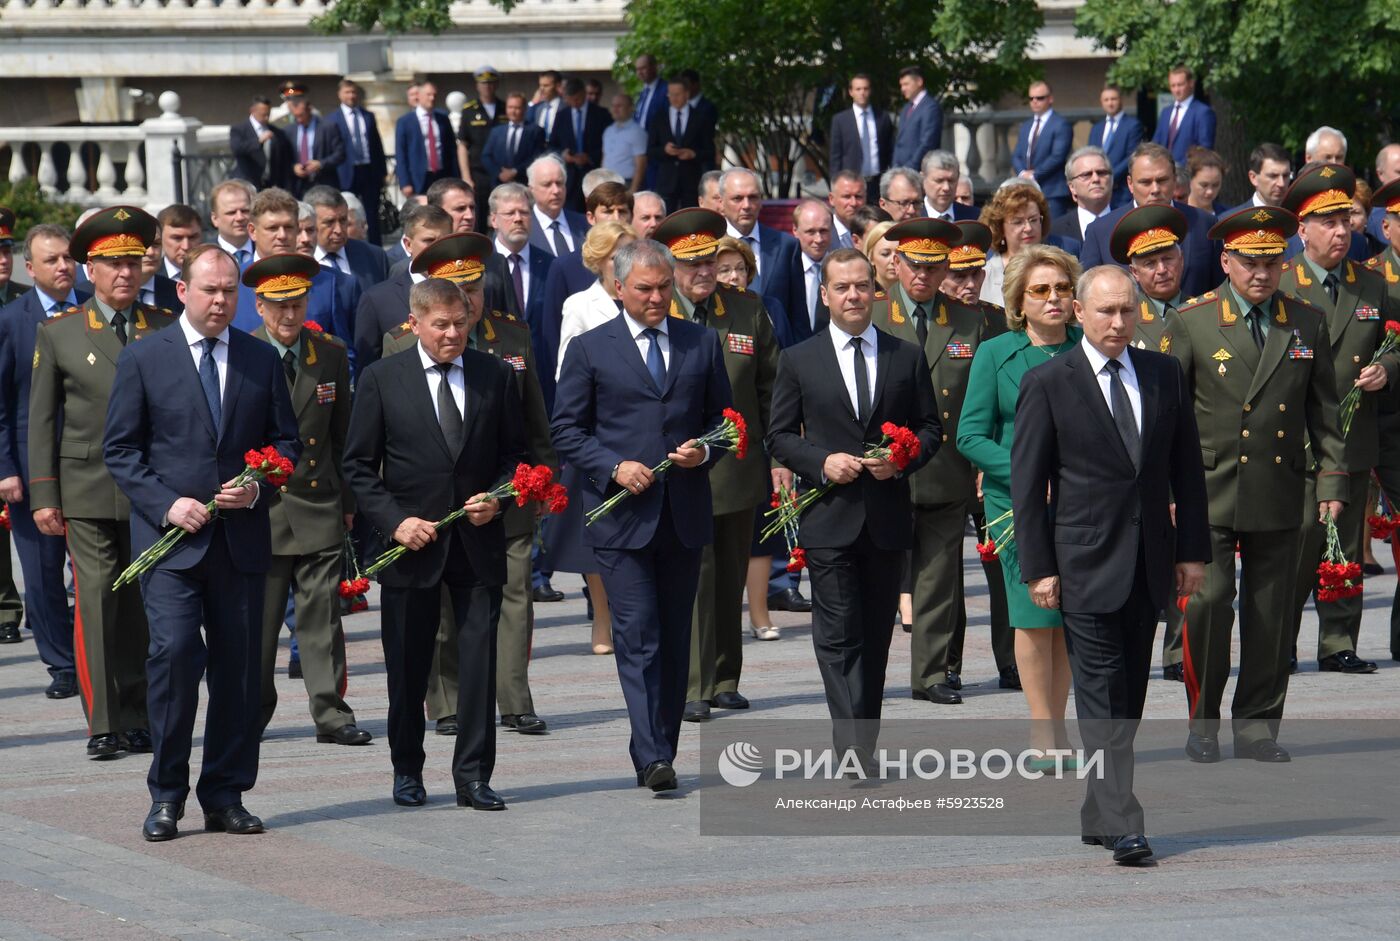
(289, 366)
(513, 142)
(1256, 327)
(862, 382)
(517, 279)
(119, 326)
(556, 236)
(1123, 412)
(676, 130)
(921, 324)
(702, 314)
(209, 379)
(1331, 284)
(448, 417)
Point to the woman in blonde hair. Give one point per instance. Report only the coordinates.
(880, 251)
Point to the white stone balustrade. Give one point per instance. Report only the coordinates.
(114, 146)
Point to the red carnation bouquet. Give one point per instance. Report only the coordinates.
(5, 516)
(528, 483)
(898, 445)
(263, 464)
(353, 589)
(797, 556)
(731, 435)
(1382, 526)
(991, 548)
(1336, 577)
(1352, 400)
(314, 327)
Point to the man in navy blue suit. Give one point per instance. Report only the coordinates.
(1118, 134)
(1042, 148)
(425, 146)
(1152, 180)
(513, 146)
(777, 253)
(940, 172)
(1187, 123)
(578, 138)
(187, 404)
(363, 170)
(527, 266)
(51, 268)
(862, 137)
(632, 392)
(920, 123)
(553, 228)
(1090, 178)
(364, 262)
(317, 147)
(651, 101)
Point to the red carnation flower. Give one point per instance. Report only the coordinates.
(1392, 326)
(314, 326)
(558, 498)
(5, 516)
(741, 432)
(987, 551)
(361, 603)
(797, 559)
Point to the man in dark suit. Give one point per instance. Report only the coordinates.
(777, 253)
(423, 145)
(553, 228)
(363, 261)
(433, 430)
(862, 137)
(578, 138)
(1089, 175)
(520, 270)
(651, 101)
(318, 150)
(1118, 135)
(186, 406)
(1187, 123)
(920, 123)
(940, 172)
(811, 225)
(635, 391)
(385, 306)
(855, 535)
(364, 168)
(510, 148)
(1270, 173)
(1042, 147)
(1151, 180)
(262, 154)
(41, 556)
(681, 145)
(1110, 432)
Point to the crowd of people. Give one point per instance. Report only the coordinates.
(596, 297)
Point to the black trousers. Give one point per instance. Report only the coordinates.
(409, 627)
(855, 594)
(1110, 656)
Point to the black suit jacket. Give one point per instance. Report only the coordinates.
(398, 464)
(595, 120)
(19, 322)
(677, 180)
(1202, 272)
(252, 164)
(846, 146)
(812, 417)
(1102, 511)
(328, 147)
(381, 309)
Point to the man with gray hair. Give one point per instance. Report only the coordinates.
(637, 390)
(941, 171)
(362, 261)
(777, 253)
(709, 191)
(901, 193)
(1325, 145)
(1090, 177)
(552, 227)
(597, 177)
(648, 209)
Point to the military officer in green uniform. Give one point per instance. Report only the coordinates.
(479, 116)
(948, 332)
(11, 608)
(1259, 364)
(75, 363)
(738, 487)
(967, 269)
(461, 259)
(311, 512)
(1147, 241)
(1387, 265)
(1357, 305)
(9, 288)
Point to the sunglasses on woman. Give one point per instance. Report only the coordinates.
(1042, 291)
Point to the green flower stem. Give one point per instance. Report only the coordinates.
(162, 546)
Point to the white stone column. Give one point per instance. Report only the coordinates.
(163, 134)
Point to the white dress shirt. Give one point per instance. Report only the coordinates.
(341, 262)
(753, 240)
(589, 308)
(195, 339)
(1099, 364)
(946, 215)
(544, 115)
(147, 292)
(172, 270)
(869, 137)
(545, 223)
(1110, 128)
(644, 342)
(505, 253)
(842, 235)
(1087, 218)
(456, 382)
(812, 280)
(845, 359)
(232, 249)
(356, 123)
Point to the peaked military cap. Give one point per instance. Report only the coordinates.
(1257, 231)
(281, 277)
(117, 232)
(1321, 191)
(1145, 230)
(459, 258)
(971, 250)
(924, 241)
(691, 234)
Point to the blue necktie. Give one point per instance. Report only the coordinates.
(870, 167)
(578, 130)
(656, 363)
(209, 379)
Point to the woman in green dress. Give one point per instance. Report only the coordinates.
(1039, 290)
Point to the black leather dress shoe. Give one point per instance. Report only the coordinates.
(940, 693)
(659, 776)
(547, 594)
(696, 711)
(136, 741)
(447, 725)
(1293, 661)
(789, 599)
(730, 701)
(1266, 749)
(233, 819)
(160, 822)
(1010, 678)
(479, 796)
(104, 746)
(1204, 749)
(294, 669)
(526, 723)
(1346, 662)
(9, 633)
(409, 791)
(1372, 568)
(1174, 671)
(64, 686)
(1131, 849)
(954, 679)
(347, 734)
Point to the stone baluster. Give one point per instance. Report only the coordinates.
(77, 175)
(18, 171)
(135, 175)
(107, 175)
(48, 173)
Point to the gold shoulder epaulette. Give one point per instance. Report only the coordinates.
(509, 318)
(1374, 262)
(880, 295)
(67, 313)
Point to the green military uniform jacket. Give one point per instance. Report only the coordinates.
(1255, 423)
(751, 360)
(1355, 327)
(994, 316)
(954, 331)
(10, 291)
(1150, 326)
(306, 511)
(75, 364)
(507, 338)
